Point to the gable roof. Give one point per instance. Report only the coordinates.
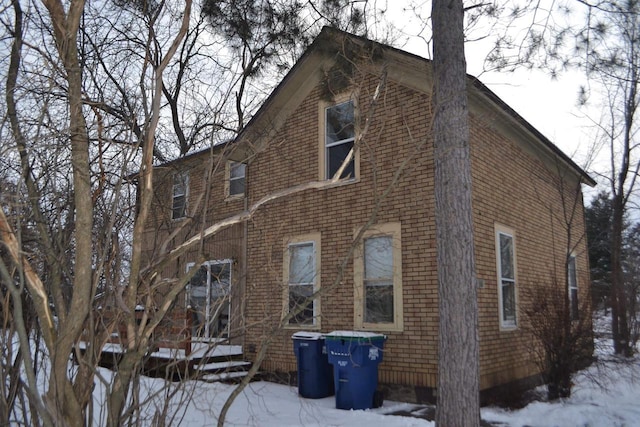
(410, 69)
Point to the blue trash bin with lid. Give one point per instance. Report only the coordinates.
(355, 357)
(315, 374)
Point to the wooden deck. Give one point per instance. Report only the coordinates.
(205, 361)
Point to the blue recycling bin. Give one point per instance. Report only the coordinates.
(355, 357)
(315, 374)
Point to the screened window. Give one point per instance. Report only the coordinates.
(301, 272)
(180, 187)
(506, 279)
(572, 280)
(378, 279)
(237, 175)
(339, 139)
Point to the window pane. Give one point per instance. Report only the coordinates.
(179, 207)
(237, 170)
(299, 297)
(339, 122)
(508, 302)
(236, 186)
(379, 302)
(198, 283)
(198, 300)
(220, 280)
(573, 295)
(301, 263)
(237, 175)
(378, 258)
(335, 157)
(180, 183)
(571, 273)
(506, 256)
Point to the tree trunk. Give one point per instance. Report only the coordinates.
(458, 352)
(69, 402)
(619, 325)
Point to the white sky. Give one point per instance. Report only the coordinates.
(548, 104)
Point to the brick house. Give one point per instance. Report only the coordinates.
(366, 242)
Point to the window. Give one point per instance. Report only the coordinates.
(180, 188)
(338, 138)
(506, 266)
(236, 173)
(301, 276)
(209, 297)
(572, 281)
(378, 279)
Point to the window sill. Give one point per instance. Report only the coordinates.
(234, 198)
(508, 328)
(302, 327)
(379, 328)
(341, 183)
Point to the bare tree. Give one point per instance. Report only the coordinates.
(558, 317)
(89, 100)
(612, 63)
(599, 38)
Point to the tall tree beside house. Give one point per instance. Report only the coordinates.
(598, 216)
(606, 47)
(632, 281)
(598, 229)
(613, 63)
(458, 350)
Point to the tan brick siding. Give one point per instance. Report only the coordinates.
(512, 187)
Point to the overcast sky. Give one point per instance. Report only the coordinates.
(548, 104)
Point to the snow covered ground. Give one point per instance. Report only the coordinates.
(606, 394)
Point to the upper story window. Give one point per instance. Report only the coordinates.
(180, 190)
(506, 267)
(236, 178)
(572, 279)
(338, 142)
(378, 279)
(301, 275)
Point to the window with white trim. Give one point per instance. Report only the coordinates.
(378, 279)
(180, 190)
(209, 299)
(301, 276)
(339, 134)
(506, 267)
(572, 282)
(236, 178)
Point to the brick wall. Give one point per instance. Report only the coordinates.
(511, 187)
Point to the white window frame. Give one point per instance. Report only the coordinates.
(506, 324)
(572, 284)
(323, 158)
(231, 165)
(184, 177)
(392, 230)
(189, 266)
(314, 240)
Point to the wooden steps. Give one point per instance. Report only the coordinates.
(221, 371)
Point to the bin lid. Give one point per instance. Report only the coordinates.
(305, 335)
(354, 336)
